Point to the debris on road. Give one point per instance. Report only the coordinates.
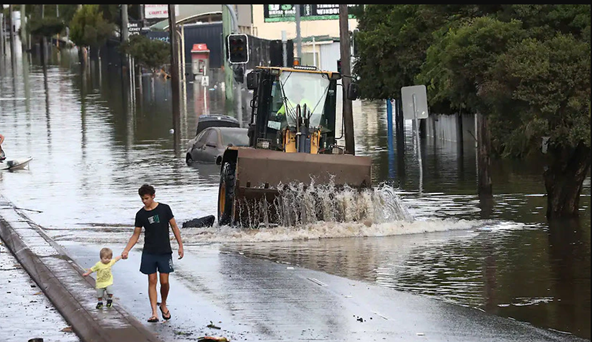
(211, 325)
(212, 339)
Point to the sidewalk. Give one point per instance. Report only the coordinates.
(60, 278)
(24, 302)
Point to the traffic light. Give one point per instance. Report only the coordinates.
(339, 66)
(238, 48)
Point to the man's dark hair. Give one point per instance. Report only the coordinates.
(146, 190)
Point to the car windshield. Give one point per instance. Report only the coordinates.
(236, 138)
(301, 88)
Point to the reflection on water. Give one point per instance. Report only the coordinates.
(96, 135)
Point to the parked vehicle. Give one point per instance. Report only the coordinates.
(215, 120)
(209, 144)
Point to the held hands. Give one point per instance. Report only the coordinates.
(124, 254)
(181, 252)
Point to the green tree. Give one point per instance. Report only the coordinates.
(67, 13)
(525, 67)
(88, 28)
(150, 54)
(46, 27)
(457, 62)
(547, 85)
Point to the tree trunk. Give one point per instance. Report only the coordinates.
(82, 55)
(564, 178)
(484, 160)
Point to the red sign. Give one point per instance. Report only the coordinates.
(200, 48)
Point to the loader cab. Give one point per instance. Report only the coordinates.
(290, 102)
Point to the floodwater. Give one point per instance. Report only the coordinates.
(94, 142)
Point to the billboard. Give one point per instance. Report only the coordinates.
(286, 12)
(158, 11)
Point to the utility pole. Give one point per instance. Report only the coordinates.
(43, 39)
(284, 48)
(238, 89)
(228, 73)
(57, 16)
(298, 38)
(2, 46)
(348, 118)
(175, 76)
(124, 22)
(142, 15)
(11, 31)
(23, 31)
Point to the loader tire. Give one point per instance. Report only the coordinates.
(226, 194)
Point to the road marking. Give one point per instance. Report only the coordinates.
(316, 281)
(379, 315)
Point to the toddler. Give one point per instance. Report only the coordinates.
(104, 276)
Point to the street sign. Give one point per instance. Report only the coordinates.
(421, 102)
(134, 27)
(287, 12)
(205, 81)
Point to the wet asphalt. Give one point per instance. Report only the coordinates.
(260, 300)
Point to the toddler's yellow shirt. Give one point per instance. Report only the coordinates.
(104, 275)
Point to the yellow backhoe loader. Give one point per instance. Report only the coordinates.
(291, 141)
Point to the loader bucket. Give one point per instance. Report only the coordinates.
(262, 174)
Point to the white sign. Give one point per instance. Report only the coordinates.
(133, 28)
(158, 11)
(417, 93)
(205, 81)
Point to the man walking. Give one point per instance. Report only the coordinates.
(155, 218)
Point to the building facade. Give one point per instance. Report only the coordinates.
(270, 20)
(319, 30)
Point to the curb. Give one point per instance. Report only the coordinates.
(60, 279)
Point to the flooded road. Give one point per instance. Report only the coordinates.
(93, 143)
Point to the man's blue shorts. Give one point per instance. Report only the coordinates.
(163, 263)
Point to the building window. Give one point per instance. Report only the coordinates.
(310, 58)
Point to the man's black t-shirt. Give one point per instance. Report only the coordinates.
(156, 228)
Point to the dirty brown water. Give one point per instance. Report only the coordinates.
(93, 146)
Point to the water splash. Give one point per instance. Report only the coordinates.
(297, 205)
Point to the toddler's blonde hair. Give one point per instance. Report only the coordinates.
(106, 252)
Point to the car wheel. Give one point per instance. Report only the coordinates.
(188, 159)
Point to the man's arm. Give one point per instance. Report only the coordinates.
(177, 234)
(132, 241)
(1, 139)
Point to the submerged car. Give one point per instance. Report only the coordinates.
(210, 144)
(215, 120)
